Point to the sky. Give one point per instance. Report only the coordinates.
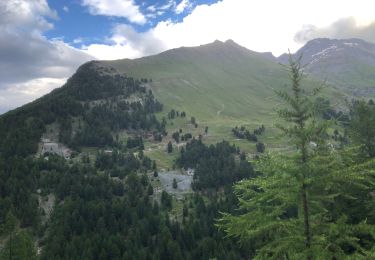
(42, 42)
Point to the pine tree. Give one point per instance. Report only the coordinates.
(290, 210)
(19, 246)
(174, 184)
(260, 147)
(362, 127)
(169, 147)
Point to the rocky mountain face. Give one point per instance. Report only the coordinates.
(346, 63)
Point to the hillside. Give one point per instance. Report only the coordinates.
(222, 84)
(348, 64)
(214, 80)
(142, 179)
(94, 104)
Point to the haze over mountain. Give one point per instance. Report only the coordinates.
(221, 84)
(349, 64)
(216, 80)
(236, 78)
(165, 143)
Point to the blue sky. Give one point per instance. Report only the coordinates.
(78, 26)
(42, 42)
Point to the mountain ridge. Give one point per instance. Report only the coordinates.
(217, 66)
(348, 64)
(362, 84)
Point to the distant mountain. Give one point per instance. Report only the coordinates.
(221, 84)
(217, 81)
(348, 64)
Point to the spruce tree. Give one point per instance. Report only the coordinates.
(362, 127)
(169, 147)
(289, 210)
(174, 183)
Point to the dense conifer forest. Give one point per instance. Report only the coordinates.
(317, 202)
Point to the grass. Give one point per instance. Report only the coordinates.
(219, 84)
(163, 159)
(222, 85)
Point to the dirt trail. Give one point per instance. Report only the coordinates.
(221, 110)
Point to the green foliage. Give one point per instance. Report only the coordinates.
(96, 96)
(362, 127)
(300, 113)
(17, 183)
(299, 207)
(19, 247)
(174, 184)
(176, 136)
(9, 224)
(97, 216)
(243, 133)
(215, 165)
(166, 200)
(136, 141)
(169, 147)
(271, 218)
(260, 147)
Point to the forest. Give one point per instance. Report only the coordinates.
(316, 202)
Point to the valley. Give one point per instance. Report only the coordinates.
(167, 156)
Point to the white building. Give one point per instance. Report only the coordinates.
(51, 148)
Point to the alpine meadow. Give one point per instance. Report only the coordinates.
(171, 130)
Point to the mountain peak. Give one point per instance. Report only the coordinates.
(323, 43)
(332, 40)
(340, 61)
(229, 42)
(216, 42)
(322, 48)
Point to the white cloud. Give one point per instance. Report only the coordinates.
(66, 9)
(18, 94)
(341, 29)
(168, 5)
(31, 65)
(78, 40)
(119, 8)
(126, 43)
(151, 8)
(34, 65)
(27, 15)
(258, 25)
(184, 4)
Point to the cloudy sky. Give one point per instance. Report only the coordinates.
(42, 42)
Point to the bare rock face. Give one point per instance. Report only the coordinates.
(345, 63)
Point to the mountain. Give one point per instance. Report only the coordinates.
(216, 81)
(96, 102)
(221, 84)
(349, 64)
(117, 197)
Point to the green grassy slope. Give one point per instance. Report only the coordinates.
(215, 80)
(221, 84)
(352, 76)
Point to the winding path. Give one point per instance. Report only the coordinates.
(221, 110)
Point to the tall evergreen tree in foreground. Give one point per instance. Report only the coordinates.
(301, 206)
(362, 127)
